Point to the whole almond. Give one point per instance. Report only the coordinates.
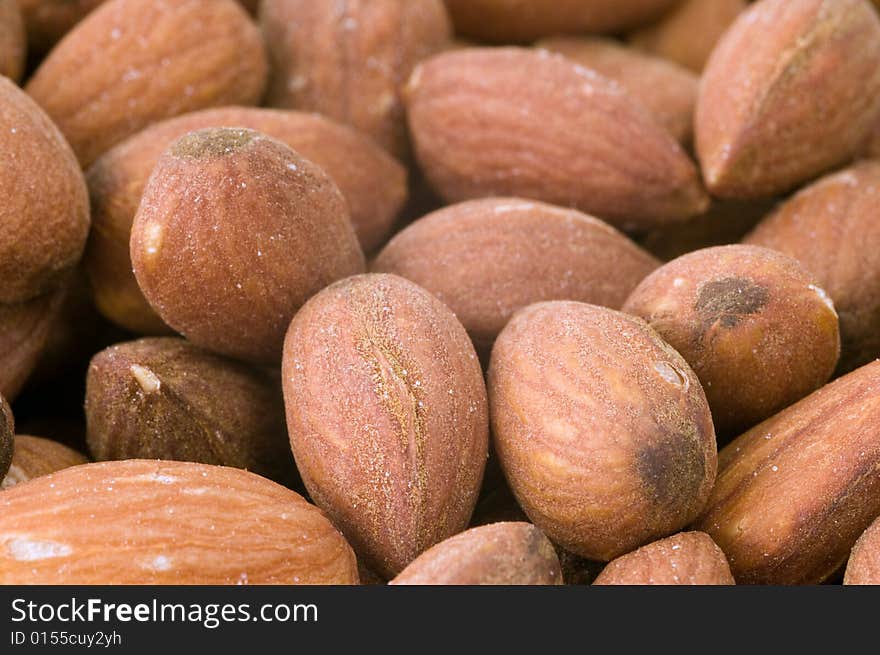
(496, 554)
(863, 567)
(527, 123)
(386, 411)
(688, 558)
(234, 232)
(12, 40)
(167, 399)
(831, 227)
(7, 434)
(46, 21)
(131, 63)
(794, 493)
(33, 457)
(149, 522)
(791, 91)
(349, 60)
(486, 259)
(665, 89)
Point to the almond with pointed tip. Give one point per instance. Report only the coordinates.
(33, 457)
(7, 434)
(863, 567)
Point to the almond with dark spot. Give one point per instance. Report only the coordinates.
(12, 40)
(33, 457)
(863, 567)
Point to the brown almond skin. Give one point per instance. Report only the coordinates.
(602, 429)
(46, 21)
(755, 326)
(350, 60)
(689, 32)
(12, 40)
(131, 63)
(162, 522)
(373, 183)
(386, 411)
(164, 398)
(831, 228)
(486, 259)
(528, 123)
(791, 91)
(863, 567)
(7, 433)
(45, 208)
(523, 21)
(794, 493)
(665, 89)
(234, 232)
(687, 558)
(33, 457)
(496, 554)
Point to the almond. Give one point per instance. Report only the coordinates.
(149, 522)
(794, 493)
(863, 567)
(46, 21)
(791, 91)
(35, 456)
(12, 40)
(511, 121)
(7, 433)
(131, 63)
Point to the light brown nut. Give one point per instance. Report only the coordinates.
(863, 567)
(755, 326)
(688, 34)
(687, 558)
(131, 63)
(167, 399)
(7, 433)
(831, 228)
(45, 206)
(520, 21)
(46, 21)
(234, 232)
(528, 123)
(12, 40)
(496, 554)
(33, 457)
(794, 493)
(665, 89)
(150, 522)
(349, 60)
(486, 259)
(791, 91)
(602, 429)
(386, 411)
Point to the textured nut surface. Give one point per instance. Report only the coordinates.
(602, 429)
(349, 60)
(528, 123)
(131, 63)
(35, 456)
(496, 554)
(167, 399)
(863, 567)
(7, 433)
(46, 21)
(234, 232)
(687, 558)
(755, 326)
(386, 411)
(794, 493)
(486, 259)
(791, 91)
(831, 228)
(12, 40)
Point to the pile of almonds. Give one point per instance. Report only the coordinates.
(440, 292)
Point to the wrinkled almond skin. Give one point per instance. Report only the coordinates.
(794, 493)
(791, 91)
(831, 228)
(863, 567)
(12, 41)
(755, 326)
(45, 207)
(602, 429)
(528, 123)
(386, 411)
(349, 60)
(687, 558)
(7, 434)
(688, 34)
(233, 234)
(131, 63)
(486, 259)
(496, 554)
(46, 21)
(665, 89)
(164, 398)
(151, 522)
(522, 21)
(373, 183)
(33, 457)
